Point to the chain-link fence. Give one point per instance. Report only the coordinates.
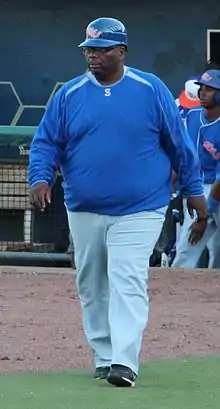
(22, 229)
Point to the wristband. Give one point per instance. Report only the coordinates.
(212, 204)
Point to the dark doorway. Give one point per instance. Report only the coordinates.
(213, 46)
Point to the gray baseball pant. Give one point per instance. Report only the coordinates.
(112, 258)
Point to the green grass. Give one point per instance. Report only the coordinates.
(191, 383)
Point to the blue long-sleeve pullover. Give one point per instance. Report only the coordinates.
(205, 135)
(115, 145)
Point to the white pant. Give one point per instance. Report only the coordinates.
(187, 256)
(112, 259)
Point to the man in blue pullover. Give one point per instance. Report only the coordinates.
(203, 125)
(115, 133)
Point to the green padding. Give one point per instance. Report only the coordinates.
(15, 143)
(16, 135)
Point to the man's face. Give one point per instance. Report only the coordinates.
(206, 96)
(104, 61)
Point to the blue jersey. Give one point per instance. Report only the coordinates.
(183, 112)
(206, 138)
(115, 145)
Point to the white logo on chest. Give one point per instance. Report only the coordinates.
(107, 92)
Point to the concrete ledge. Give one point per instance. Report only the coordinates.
(35, 270)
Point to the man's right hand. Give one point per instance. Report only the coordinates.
(40, 195)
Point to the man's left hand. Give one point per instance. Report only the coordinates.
(197, 229)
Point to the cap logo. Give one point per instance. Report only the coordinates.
(93, 33)
(206, 77)
(191, 96)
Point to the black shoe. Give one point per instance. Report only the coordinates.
(120, 375)
(102, 372)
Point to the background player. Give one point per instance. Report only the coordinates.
(188, 97)
(203, 125)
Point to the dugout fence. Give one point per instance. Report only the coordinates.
(28, 237)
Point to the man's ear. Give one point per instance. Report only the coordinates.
(122, 51)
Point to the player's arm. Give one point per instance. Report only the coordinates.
(174, 174)
(183, 156)
(178, 144)
(214, 196)
(46, 152)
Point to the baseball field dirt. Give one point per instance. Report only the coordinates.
(41, 329)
